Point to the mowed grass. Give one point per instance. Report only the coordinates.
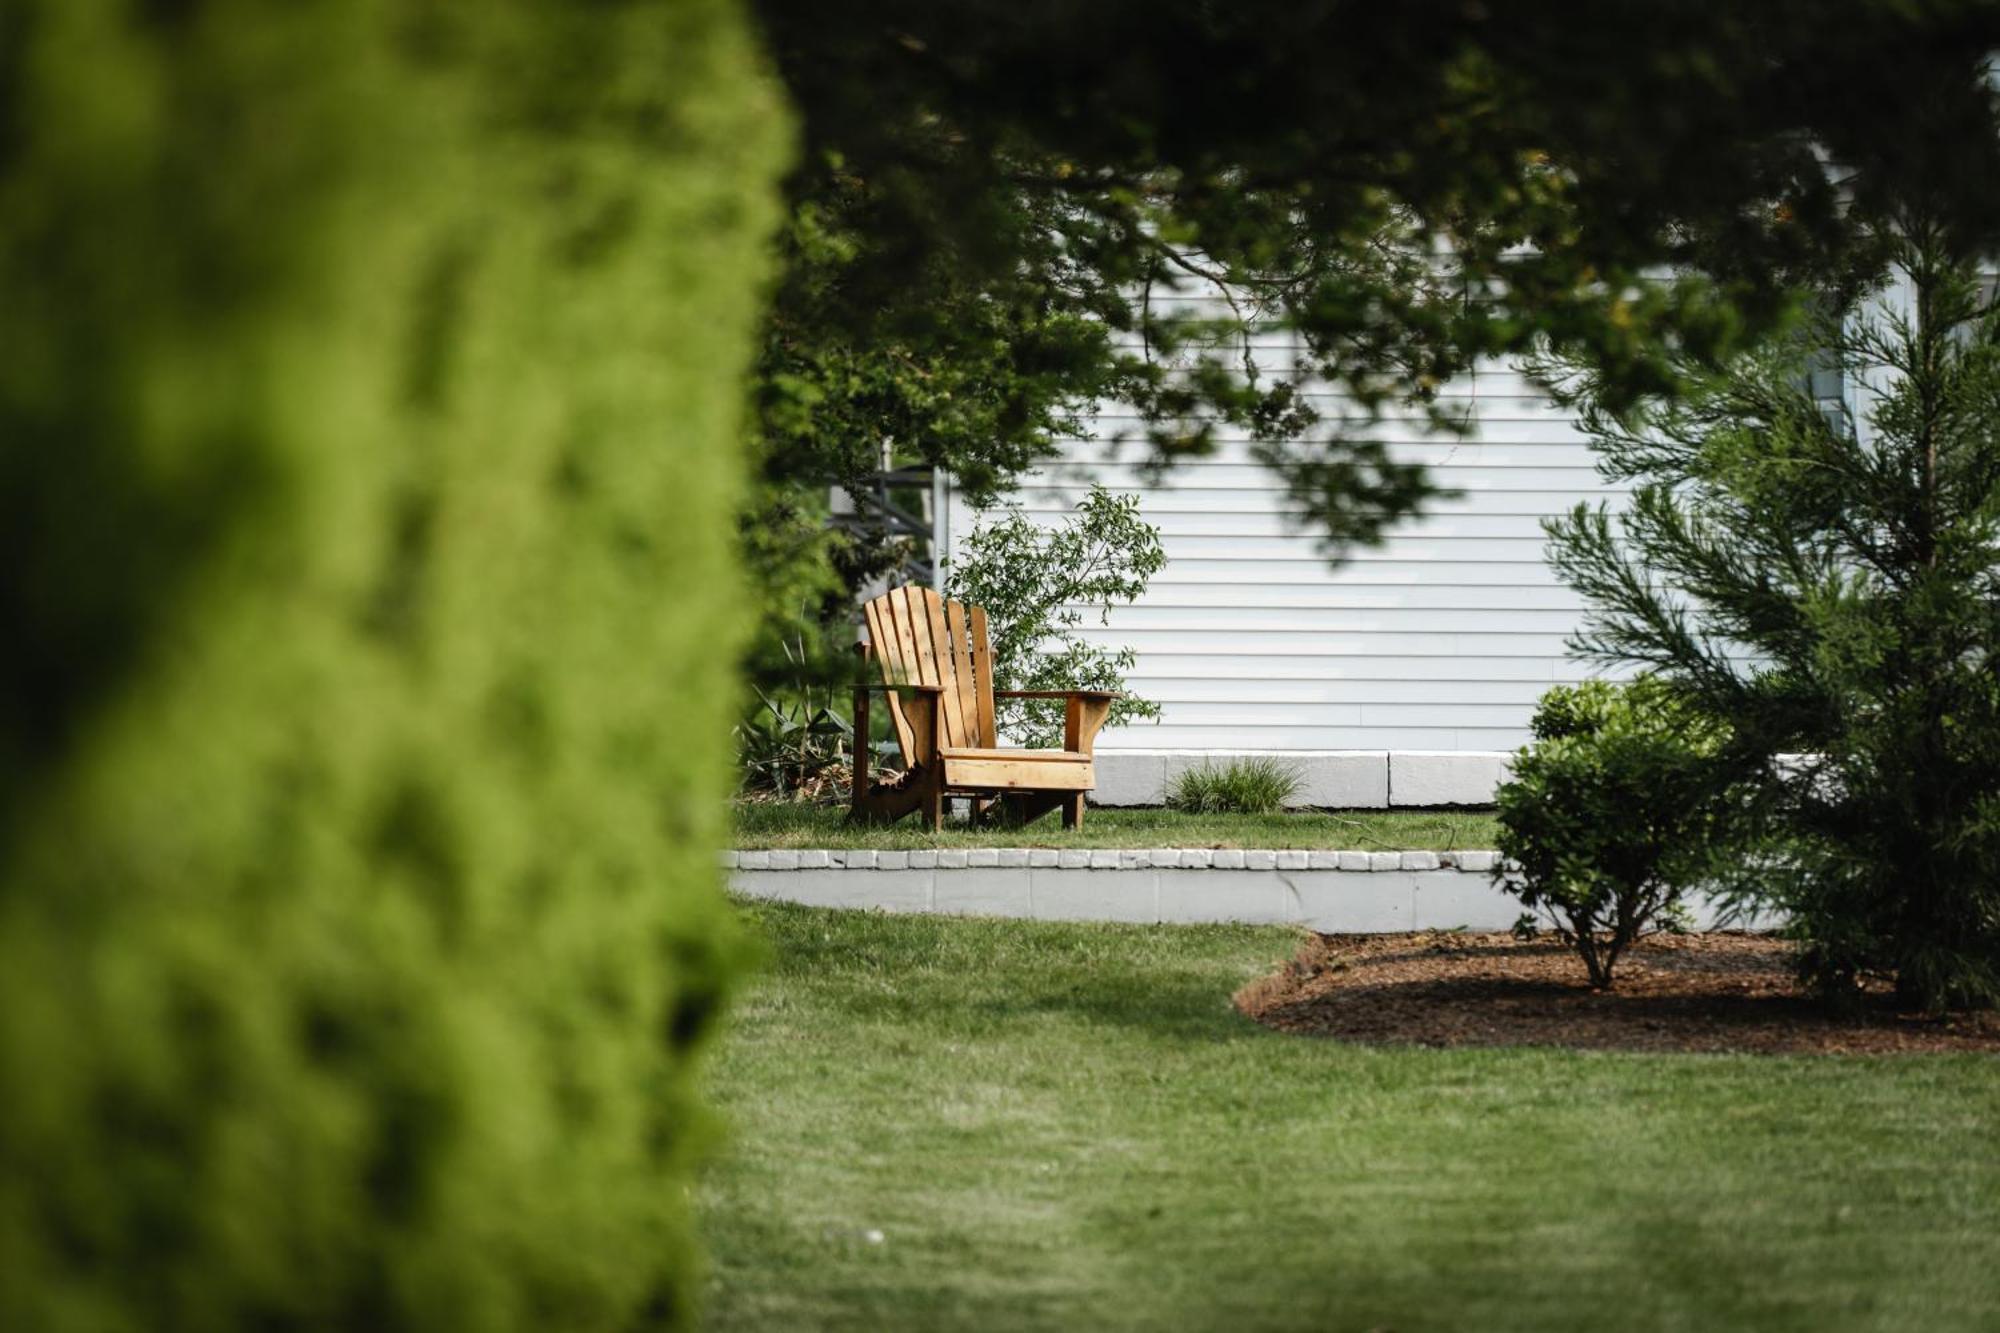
(1067, 1126)
(765, 824)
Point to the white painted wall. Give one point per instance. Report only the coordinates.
(1440, 640)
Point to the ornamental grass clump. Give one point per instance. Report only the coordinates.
(1259, 786)
(1611, 816)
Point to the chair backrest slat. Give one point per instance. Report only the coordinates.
(920, 638)
(917, 616)
(982, 677)
(951, 706)
(885, 647)
(909, 672)
(962, 673)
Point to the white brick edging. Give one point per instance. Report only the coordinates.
(1100, 858)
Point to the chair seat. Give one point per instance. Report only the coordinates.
(978, 768)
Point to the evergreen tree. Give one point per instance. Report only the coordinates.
(1828, 583)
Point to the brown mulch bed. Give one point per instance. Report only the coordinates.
(1713, 992)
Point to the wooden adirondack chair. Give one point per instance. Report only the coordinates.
(937, 673)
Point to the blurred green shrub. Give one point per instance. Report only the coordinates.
(1240, 787)
(369, 398)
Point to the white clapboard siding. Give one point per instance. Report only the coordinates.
(1440, 638)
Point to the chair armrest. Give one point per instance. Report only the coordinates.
(1086, 714)
(916, 724)
(1057, 694)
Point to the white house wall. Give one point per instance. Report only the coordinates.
(1420, 659)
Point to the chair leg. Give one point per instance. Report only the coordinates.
(1072, 811)
(933, 807)
(885, 803)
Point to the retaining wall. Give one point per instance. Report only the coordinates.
(1341, 779)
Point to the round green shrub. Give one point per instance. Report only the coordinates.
(1618, 809)
(369, 391)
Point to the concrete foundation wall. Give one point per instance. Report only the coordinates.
(1341, 779)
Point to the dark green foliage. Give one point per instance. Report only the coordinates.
(1831, 593)
(1239, 787)
(977, 375)
(998, 183)
(970, 374)
(802, 575)
(1037, 585)
(367, 446)
(1005, 206)
(1618, 808)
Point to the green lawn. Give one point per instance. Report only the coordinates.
(797, 824)
(1067, 1127)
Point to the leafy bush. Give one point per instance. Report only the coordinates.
(1617, 809)
(368, 441)
(1830, 592)
(1037, 584)
(1240, 787)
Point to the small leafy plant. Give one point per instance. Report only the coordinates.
(794, 745)
(1037, 584)
(1618, 809)
(1241, 787)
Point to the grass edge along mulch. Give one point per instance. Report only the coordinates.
(1714, 992)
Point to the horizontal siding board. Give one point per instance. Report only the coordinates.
(1285, 570)
(1348, 620)
(1468, 463)
(1523, 526)
(1394, 716)
(1273, 644)
(1408, 548)
(1421, 595)
(1516, 490)
(1309, 693)
(1146, 736)
(1277, 715)
(1161, 671)
(1389, 429)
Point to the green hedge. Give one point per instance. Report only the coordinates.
(369, 396)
